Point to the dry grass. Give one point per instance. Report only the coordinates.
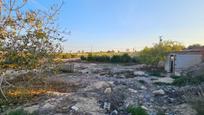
(18, 96)
(195, 97)
(29, 87)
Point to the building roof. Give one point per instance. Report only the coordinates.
(191, 51)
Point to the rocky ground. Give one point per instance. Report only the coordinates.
(108, 89)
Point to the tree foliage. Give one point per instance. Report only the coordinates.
(115, 58)
(27, 37)
(194, 46)
(152, 55)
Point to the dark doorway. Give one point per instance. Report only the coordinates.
(172, 61)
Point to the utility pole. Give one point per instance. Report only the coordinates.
(160, 39)
(0, 7)
(91, 48)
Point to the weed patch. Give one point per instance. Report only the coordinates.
(195, 97)
(136, 110)
(19, 112)
(30, 88)
(188, 80)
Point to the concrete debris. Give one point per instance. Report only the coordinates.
(158, 92)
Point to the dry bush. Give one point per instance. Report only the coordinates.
(30, 87)
(18, 96)
(61, 86)
(41, 81)
(195, 97)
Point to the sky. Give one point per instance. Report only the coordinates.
(101, 25)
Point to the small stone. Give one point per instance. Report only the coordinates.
(171, 100)
(106, 105)
(108, 90)
(132, 90)
(143, 88)
(48, 106)
(139, 73)
(166, 80)
(122, 76)
(145, 108)
(101, 84)
(115, 112)
(159, 92)
(74, 108)
(31, 109)
(153, 113)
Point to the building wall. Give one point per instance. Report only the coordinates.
(184, 61)
(167, 64)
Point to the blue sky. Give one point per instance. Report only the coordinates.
(122, 24)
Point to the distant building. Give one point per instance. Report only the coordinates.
(179, 61)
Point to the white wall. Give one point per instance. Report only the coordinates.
(184, 61)
(167, 66)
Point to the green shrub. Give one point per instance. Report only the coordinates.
(136, 59)
(175, 77)
(188, 80)
(19, 112)
(90, 57)
(161, 83)
(115, 59)
(142, 81)
(137, 110)
(102, 58)
(155, 73)
(161, 113)
(125, 58)
(153, 55)
(83, 58)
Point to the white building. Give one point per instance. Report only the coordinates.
(178, 61)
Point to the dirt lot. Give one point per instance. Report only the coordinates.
(103, 89)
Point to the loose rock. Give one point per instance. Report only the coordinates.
(108, 90)
(132, 90)
(32, 109)
(159, 92)
(143, 88)
(139, 73)
(48, 106)
(74, 108)
(115, 112)
(166, 80)
(145, 108)
(106, 105)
